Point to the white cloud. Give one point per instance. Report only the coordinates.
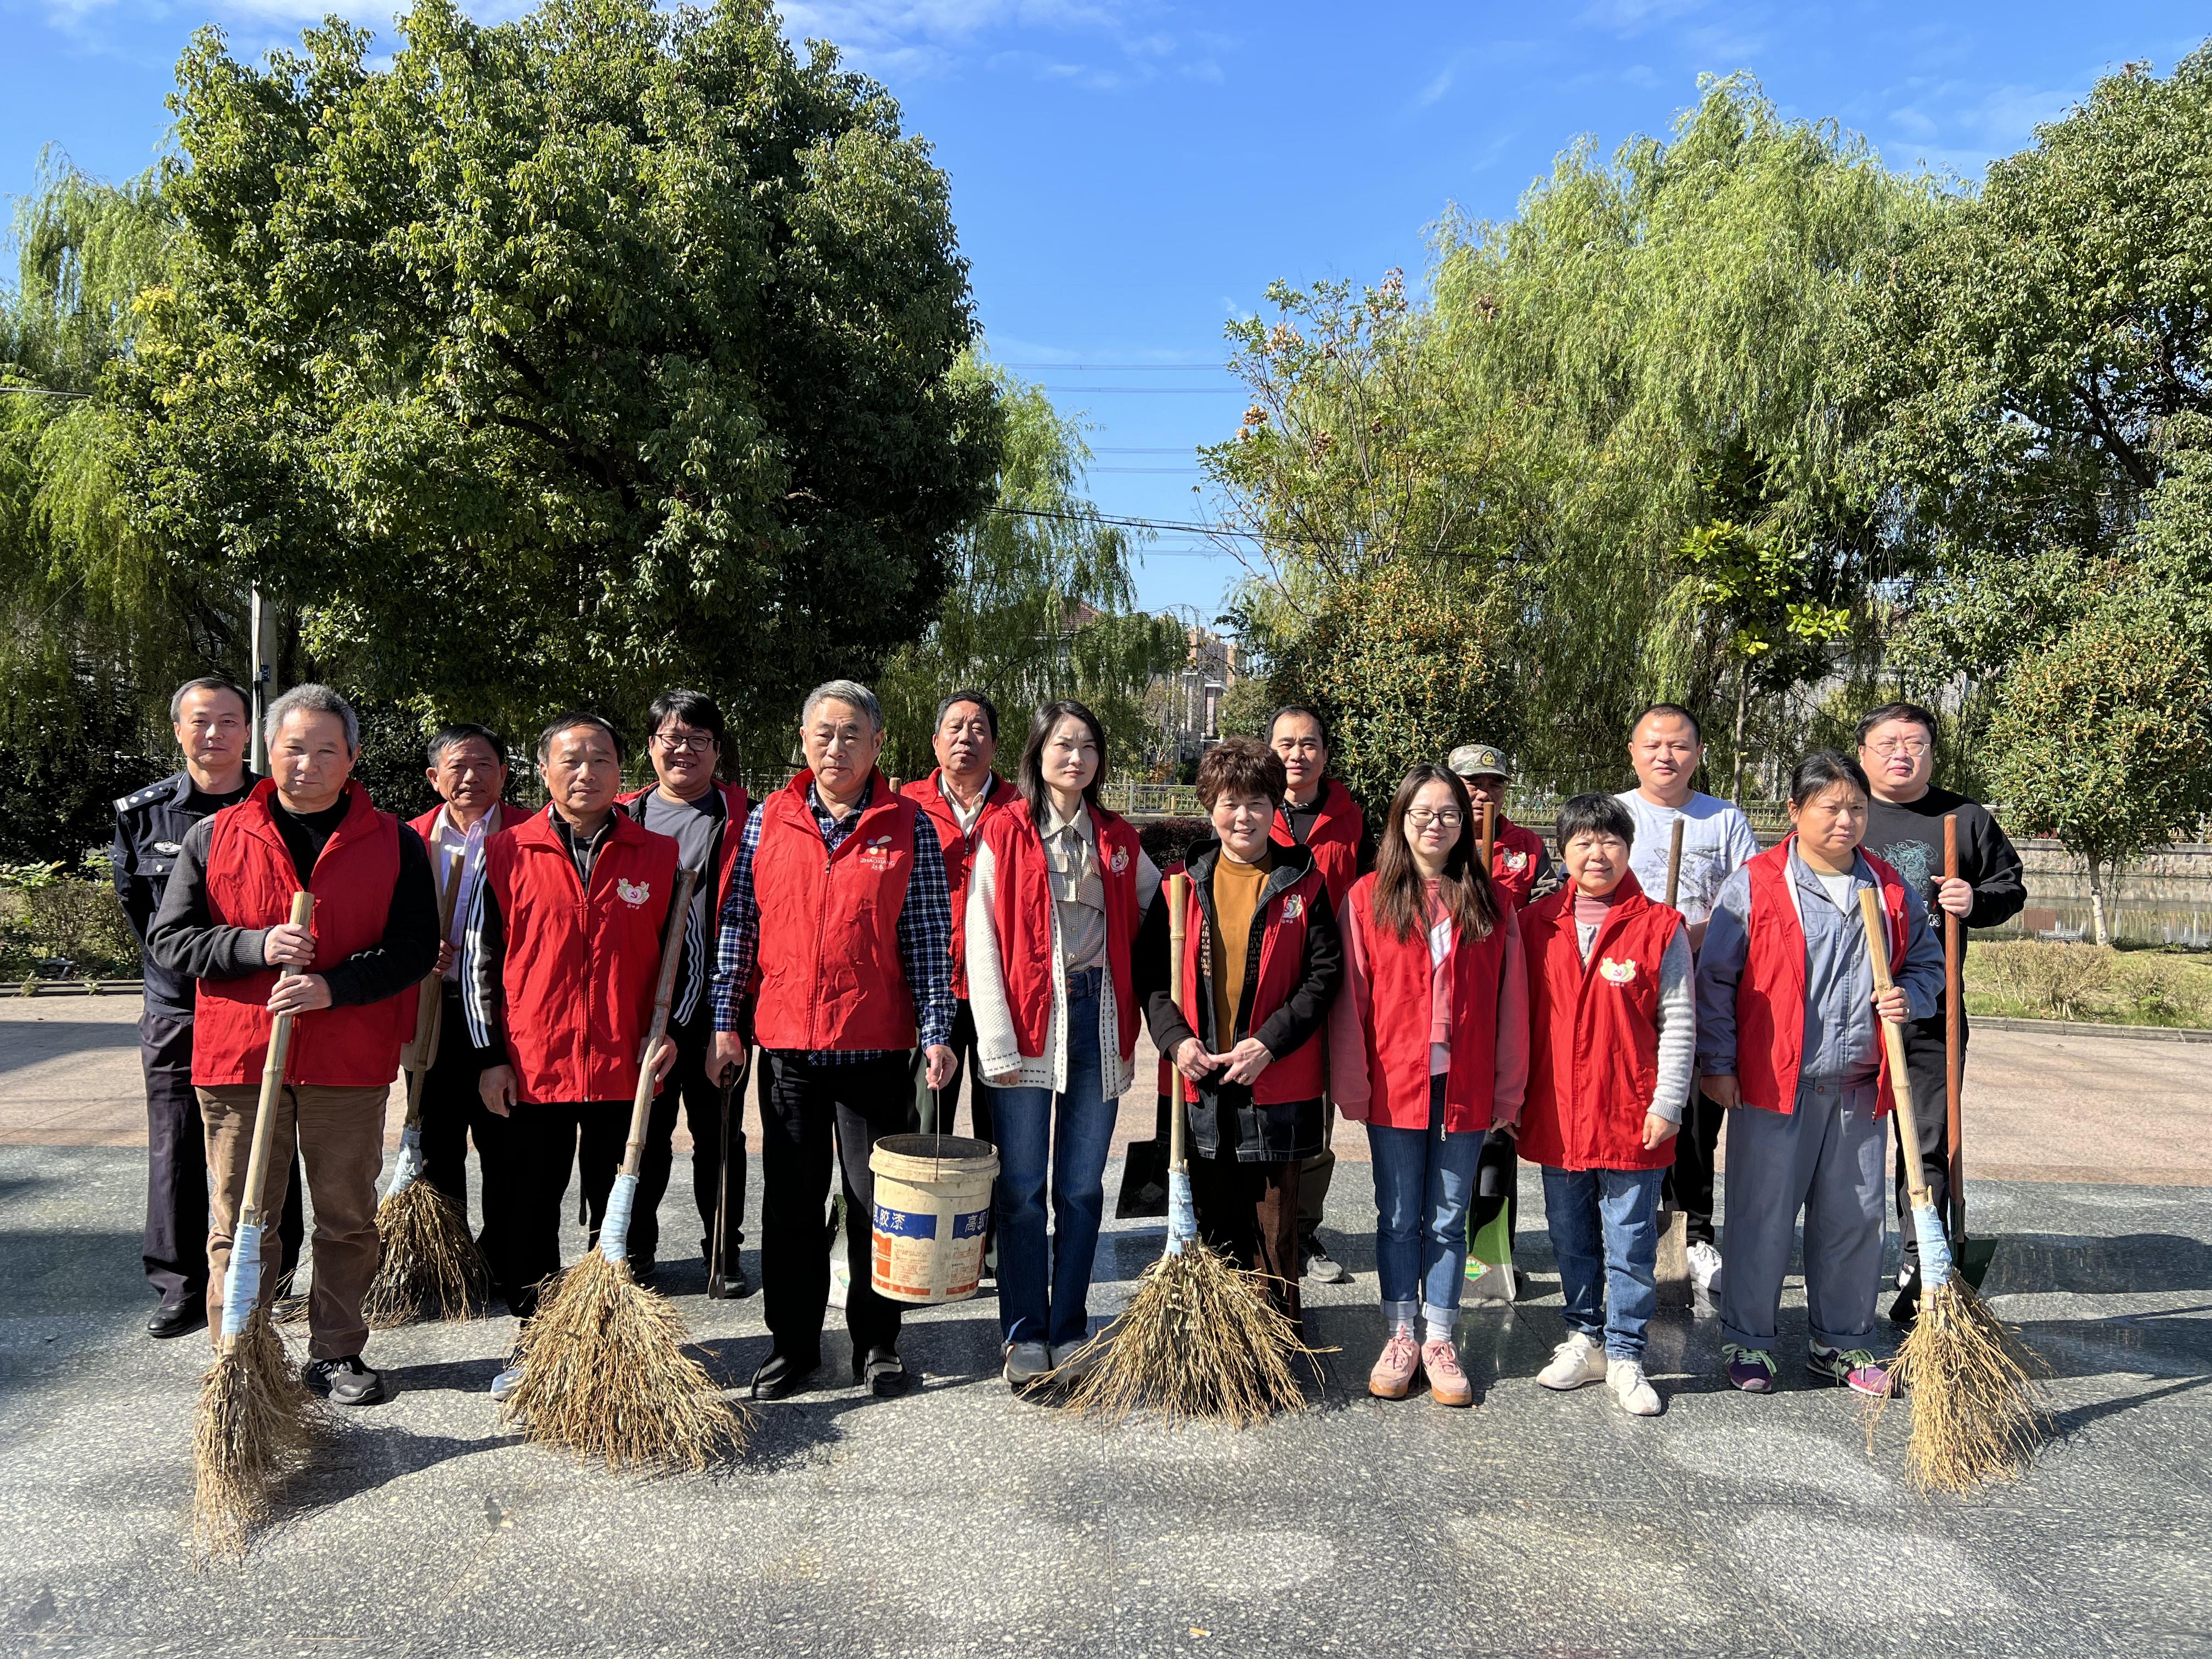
(1634, 16)
(938, 38)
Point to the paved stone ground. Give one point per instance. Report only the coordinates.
(961, 1521)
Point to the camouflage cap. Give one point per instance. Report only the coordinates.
(1479, 760)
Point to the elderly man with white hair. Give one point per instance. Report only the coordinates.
(225, 923)
(838, 898)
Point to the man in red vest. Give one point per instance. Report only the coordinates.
(559, 966)
(956, 796)
(467, 766)
(1319, 814)
(838, 898)
(706, 818)
(224, 920)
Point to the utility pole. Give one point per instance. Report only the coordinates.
(263, 675)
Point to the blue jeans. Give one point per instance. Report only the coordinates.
(1043, 1289)
(1423, 1179)
(1606, 1235)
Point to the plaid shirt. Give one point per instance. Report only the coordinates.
(925, 932)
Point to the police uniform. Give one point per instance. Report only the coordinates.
(151, 827)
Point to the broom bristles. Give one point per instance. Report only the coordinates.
(254, 1428)
(1199, 1341)
(1977, 1414)
(605, 1376)
(429, 1261)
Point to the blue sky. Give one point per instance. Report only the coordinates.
(1128, 174)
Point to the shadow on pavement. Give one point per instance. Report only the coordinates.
(30, 1044)
(2129, 1264)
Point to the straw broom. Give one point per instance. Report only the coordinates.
(604, 1370)
(1200, 1340)
(428, 1258)
(256, 1421)
(1976, 1411)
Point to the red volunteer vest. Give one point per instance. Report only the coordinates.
(250, 879)
(1302, 1074)
(830, 975)
(580, 966)
(1021, 920)
(1770, 1000)
(1514, 854)
(1334, 842)
(1593, 1033)
(737, 804)
(1399, 975)
(959, 847)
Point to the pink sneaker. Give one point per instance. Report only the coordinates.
(1447, 1385)
(1393, 1375)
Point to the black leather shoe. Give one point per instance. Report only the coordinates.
(1905, 1310)
(175, 1318)
(883, 1371)
(782, 1374)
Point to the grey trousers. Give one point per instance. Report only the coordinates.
(1827, 1159)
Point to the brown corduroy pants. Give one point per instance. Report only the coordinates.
(340, 1136)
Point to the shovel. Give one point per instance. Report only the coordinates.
(734, 1101)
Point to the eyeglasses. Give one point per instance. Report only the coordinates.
(1451, 816)
(697, 741)
(1915, 747)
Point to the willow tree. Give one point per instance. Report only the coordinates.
(1647, 350)
(564, 358)
(1041, 603)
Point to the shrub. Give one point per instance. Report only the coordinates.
(2059, 979)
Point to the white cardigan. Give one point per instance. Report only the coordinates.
(997, 1052)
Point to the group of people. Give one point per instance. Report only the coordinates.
(862, 948)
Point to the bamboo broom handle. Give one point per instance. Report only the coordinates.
(1489, 832)
(1893, 1037)
(1178, 902)
(272, 1083)
(1674, 863)
(430, 997)
(664, 990)
(1955, 1036)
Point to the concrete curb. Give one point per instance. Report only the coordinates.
(2085, 1028)
(75, 987)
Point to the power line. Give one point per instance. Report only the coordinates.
(1182, 525)
(1181, 471)
(1156, 391)
(1108, 368)
(1114, 449)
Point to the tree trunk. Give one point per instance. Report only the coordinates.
(1735, 788)
(2104, 932)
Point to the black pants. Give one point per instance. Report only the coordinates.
(174, 1249)
(1687, 1185)
(1926, 1064)
(701, 1099)
(1249, 1212)
(1497, 1183)
(454, 1115)
(549, 1141)
(810, 1110)
(942, 1113)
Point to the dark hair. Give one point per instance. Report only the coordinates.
(1595, 815)
(1310, 713)
(570, 722)
(463, 732)
(1029, 779)
(208, 682)
(1465, 888)
(1824, 769)
(1896, 711)
(1241, 766)
(693, 708)
(1674, 709)
(990, 710)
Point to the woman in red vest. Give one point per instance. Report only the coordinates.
(1429, 1047)
(1242, 1020)
(1788, 1042)
(1612, 1043)
(1054, 897)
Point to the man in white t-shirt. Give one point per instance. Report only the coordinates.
(1667, 748)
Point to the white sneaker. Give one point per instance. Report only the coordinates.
(1026, 1365)
(1637, 1397)
(507, 1383)
(1704, 1264)
(1577, 1361)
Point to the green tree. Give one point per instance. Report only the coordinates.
(562, 359)
(1041, 604)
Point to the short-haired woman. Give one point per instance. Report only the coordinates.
(1241, 1022)
(1055, 898)
(1429, 1047)
(1788, 1040)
